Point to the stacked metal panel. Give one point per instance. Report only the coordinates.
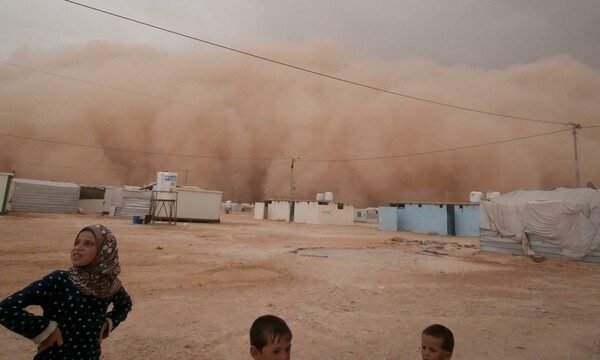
(135, 203)
(492, 242)
(44, 196)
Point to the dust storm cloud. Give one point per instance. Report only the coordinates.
(229, 122)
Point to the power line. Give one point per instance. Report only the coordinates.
(126, 169)
(141, 151)
(233, 113)
(437, 151)
(316, 72)
(204, 108)
(288, 158)
(153, 96)
(70, 167)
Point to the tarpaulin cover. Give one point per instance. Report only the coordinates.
(567, 218)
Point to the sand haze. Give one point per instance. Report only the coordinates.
(229, 122)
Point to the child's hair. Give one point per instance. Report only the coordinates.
(441, 332)
(268, 329)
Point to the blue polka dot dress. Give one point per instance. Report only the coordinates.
(74, 301)
(78, 316)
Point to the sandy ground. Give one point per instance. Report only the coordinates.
(347, 292)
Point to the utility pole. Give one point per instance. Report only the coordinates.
(292, 188)
(574, 132)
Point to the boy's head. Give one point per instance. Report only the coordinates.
(270, 339)
(437, 343)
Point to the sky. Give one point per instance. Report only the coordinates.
(93, 99)
(488, 34)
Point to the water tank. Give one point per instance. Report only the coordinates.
(492, 195)
(166, 181)
(475, 196)
(320, 197)
(328, 196)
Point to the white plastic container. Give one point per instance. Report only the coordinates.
(475, 196)
(492, 195)
(166, 181)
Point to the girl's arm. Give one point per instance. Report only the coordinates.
(15, 318)
(121, 307)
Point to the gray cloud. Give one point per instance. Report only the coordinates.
(488, 34)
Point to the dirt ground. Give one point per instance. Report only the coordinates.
(347, 292)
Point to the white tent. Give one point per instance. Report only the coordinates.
(566, 218)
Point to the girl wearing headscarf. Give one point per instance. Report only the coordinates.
(75, 303)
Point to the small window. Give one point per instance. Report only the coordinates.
(340, 206)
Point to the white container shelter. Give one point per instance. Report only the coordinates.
(195, 204)
(323, 213)
(306, 211)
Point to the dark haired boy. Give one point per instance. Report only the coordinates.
(437, 343)
(270, 339)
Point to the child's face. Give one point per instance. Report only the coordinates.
(84, 249)
(431, 349)
(279, 350)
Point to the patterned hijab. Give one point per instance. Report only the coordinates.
(99, 279)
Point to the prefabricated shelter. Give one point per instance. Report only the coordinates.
(323, 212)
(195, 204)
(457, 219)
(260, 210)
(272, 210)
(466, 219)
(562, 222)
(229, 206)
(91, 199)
(306, 211)
(127, 201)
(135, 202)
(367, 215)
(5, 181)
(43, 196)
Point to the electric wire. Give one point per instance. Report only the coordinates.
(142, 151)
(437, 151)
(153, 96)
(263, 158)
(127, 170)
(233, 113)
(289, 158)
(439, 103)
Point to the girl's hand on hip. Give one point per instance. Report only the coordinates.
(53, 338)
(103, 332)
